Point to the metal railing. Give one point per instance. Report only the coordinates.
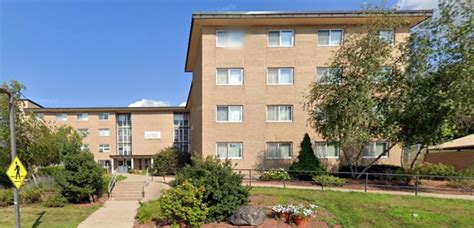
(458, 185)
(112, 182)
(145, 184)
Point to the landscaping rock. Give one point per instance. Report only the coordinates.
(247, 215)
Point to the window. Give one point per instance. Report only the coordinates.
(324, 75)
(104, 148)
(226, 76)
(61, 116)
(229, 151)
(39, 116)
(84, 132)
(330, 37)
(280, 76)
(229, 113)
(181, 131)
(326, 150)
(280, 38)
(374, 149)
(84, 147)
(387, 36)
(279, 150)
(383, 75)
(104, 132)
(103, 116)
(230, 39)
(279, 113)
(82, 116)
(124, 134)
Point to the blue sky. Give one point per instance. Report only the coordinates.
(79, 53)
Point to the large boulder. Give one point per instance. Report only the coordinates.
(247, 215)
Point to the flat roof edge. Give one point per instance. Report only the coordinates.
(97, 109)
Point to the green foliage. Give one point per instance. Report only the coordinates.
(435, 169)
(52, 170)
(55, 200)
(182, 203)
(307, 161)
(274, 174)
(360, 102)
(81, 178)
(329, 180)
(223, 187)
(30, 195)
(6, 197)
(438, 101)
(169, 160)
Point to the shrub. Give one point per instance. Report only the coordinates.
(328, 180)
(464, 183)
(274, 174)
(435, 169)
(169, 160)
(386, 169)
(6, 197)
(307, 161)
(30, 195)
(223, 187)
(180, 204)
(50, 170)
(81, 179)
(55, 200)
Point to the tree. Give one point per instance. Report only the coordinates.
(359, 99)
(169, 160)
(439, 101)
(307, 161)
(81, 180)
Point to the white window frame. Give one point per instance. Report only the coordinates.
(103, 148)
(338, 149)
(101, 113)
(278, 77)
(280, 121)
(231, 45)
(316, 75)
(61, 114)
(228, 146)
(374, 143)
(229, 121)
(278, 146)
(80, 130)
(78, 115)
(279, 43)
(103, 129)
(388, 30)
(228, 74)
(329, 43)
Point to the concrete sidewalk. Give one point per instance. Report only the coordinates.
(121, 214)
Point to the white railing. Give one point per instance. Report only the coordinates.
(145, 184)
(112, 182)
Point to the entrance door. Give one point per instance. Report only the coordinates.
(122, 166)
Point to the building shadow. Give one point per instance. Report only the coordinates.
(262, 163)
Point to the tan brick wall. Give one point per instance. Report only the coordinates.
(145, 121)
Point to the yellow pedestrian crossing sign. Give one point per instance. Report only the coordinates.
(16, 172)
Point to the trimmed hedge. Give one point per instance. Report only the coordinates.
(329, 180)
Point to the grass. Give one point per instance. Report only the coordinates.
(40, 216)
(353, 209)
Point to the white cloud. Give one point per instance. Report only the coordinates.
(149, 103)
(417, 4)
(182, 104)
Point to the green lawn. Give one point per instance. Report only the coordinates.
(40, 216)
(352, 209)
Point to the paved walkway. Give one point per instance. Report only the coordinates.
(436, 195)
(121, 214)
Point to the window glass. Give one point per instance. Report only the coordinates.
(273, 38)
(374, 149)
(272, 113)
(272, 76)
(332, 150)
(84, 147)
(82, 116)
(230, 38)
(229, 150)
(323, 37)
(324, 74)
(272, 150)
(285, 113)
(336, 37)
(61, 116)
(104, 132)
(387, 36)
(235, 113)
(285, 150)
(221, 150)
(286, 76)
(84, 132)
(278, 150)
(222, 114)
(103, 116)
(235, 76)
(286, 38)
(221, 38)
(222, 77)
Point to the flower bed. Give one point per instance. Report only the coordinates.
(298, 214)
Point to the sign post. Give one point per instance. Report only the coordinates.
(11, 107)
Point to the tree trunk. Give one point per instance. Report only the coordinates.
(416, 157)
(374, 161)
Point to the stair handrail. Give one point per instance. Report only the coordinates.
(145, 184)
(112, 182)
